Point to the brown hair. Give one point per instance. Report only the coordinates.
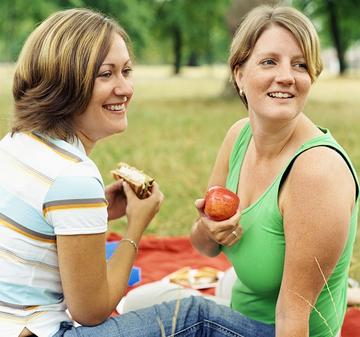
(57, 68)
(262, 17)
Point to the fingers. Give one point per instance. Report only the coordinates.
(234, 236)
(128, 190)
(221, 226)
(229, 237)
(226, 232)
(114, 187)
(200, 203)
(155, 188)
(156, 193)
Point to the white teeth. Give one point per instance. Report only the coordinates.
(115, 107)
(280, 95)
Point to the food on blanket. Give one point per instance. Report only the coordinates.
(220, 203)
(140, 182)
(205, 277)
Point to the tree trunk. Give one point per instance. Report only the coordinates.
(193, 59)
(177, 49)
(336, 34)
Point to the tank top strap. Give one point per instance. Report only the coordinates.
(237, 156)
(323, 140)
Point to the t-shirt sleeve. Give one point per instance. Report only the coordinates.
(76, 205)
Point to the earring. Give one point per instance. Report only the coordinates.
(241, 92)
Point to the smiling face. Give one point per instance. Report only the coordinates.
(275, 79)
(106, 112)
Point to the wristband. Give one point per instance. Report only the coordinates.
(131, 242)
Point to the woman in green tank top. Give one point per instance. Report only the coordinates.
(292, 238)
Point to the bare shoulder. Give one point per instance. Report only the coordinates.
(320, 186)
(235, 129)
(231, 136)
(238, 125)
(323, 165)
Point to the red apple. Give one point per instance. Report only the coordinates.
(220, 203)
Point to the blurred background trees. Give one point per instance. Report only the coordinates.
(181, 32)
(338, 24)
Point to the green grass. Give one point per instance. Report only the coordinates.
(176, 125)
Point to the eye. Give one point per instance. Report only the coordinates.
(127, 71)
(105, 74)
(268, 62)
(301, 65)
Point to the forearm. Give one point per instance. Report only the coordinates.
(291, 327)
(120, 264)
(110, 285)
(202, 242)
(118, 271)
(292, 320)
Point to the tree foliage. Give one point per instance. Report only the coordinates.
(180, 32)
(17, 19)
(171, 31)
(337, 22)
(195, 29)
(239, 8)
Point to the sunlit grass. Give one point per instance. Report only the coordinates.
(176, 125)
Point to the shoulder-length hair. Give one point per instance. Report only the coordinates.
(57, 68)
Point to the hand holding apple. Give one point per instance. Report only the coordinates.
(220, 203)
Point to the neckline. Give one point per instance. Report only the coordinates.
(75, 146)
(326, 133)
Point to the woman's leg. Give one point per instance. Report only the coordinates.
(194, 316)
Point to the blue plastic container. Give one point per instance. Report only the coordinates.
(135, 274)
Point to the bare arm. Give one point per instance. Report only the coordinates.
(206, 235)
(316, 202)
(91, 286)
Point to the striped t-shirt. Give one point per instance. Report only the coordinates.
(48, 187)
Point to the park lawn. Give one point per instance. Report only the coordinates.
(176, 125)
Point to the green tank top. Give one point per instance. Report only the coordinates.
(258, 257)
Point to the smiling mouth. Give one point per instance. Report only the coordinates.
(115, 107)
(282, 95)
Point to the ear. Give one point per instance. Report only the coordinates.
(238, 76)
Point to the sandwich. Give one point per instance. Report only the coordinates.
(201, 278)
(140, 182)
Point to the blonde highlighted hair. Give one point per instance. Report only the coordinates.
(57, 68)
(261, 18)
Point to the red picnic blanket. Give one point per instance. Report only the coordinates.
(160, 256)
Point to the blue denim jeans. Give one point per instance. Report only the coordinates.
(192, 316)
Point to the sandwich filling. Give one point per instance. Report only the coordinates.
(129, 173)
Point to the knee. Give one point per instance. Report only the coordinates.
(201, 305)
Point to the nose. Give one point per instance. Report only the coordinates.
(124, 87)
(285, 75)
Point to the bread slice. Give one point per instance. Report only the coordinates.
(140, 182)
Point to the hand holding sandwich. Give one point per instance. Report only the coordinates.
(123, 200)
(134, 194)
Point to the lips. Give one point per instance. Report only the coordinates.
(280, 94)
